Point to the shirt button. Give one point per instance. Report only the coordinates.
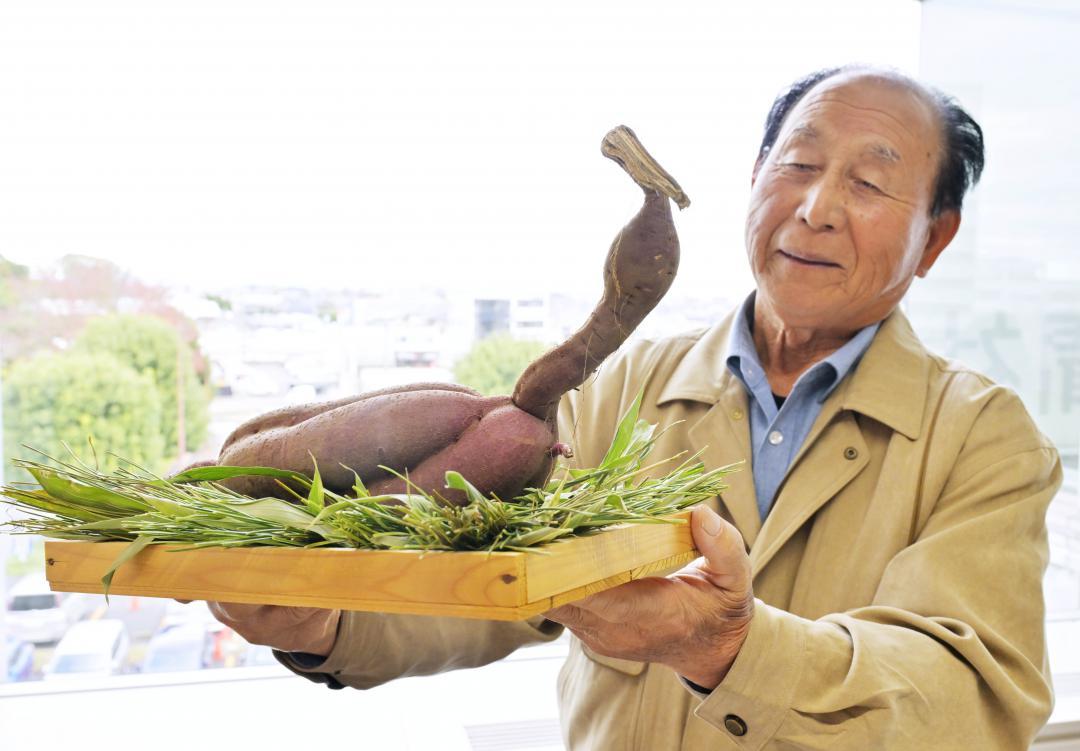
(776, 438)
(735, 725)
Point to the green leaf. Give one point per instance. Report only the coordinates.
(225, 472)
(538, 536)
(457, 481)
(128, 522)
(63, 489)
(316, 498)
(169, 508)
(615, 501)
(42, 501)
(277, 511)
(333, 509)
(359, 489)
(128, 553)
(390, 540)
(624, 433)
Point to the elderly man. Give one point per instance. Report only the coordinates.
(875, 580)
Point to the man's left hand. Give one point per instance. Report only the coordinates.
(694, 621)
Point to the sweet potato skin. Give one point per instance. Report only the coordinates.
(504, 452)
(288, 416)
(397, 429)
(500, 444)
(639, 270)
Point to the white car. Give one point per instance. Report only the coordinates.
(90, 648)
(181, 647)
(37, 614)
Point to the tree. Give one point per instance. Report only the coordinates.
(50, 400)
(493, 365)
(11, 275)
(46, 309)
(153, 348)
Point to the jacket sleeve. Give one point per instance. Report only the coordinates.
(373, 648)
(950, 654)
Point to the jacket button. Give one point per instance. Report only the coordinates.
(736, 414)
(851, 453)
(735, 725)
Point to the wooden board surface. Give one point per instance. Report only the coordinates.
(500, 586)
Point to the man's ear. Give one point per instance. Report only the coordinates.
(942, 231)
(757, 168)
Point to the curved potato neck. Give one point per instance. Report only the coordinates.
(639, 269)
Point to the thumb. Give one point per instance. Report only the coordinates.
(726, 563)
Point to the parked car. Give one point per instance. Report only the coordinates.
(20, 660)
(36, 613)
(89, 648)
(181, 647)
(225, 648)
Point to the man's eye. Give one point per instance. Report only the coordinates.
(799, 166)
(868, 185)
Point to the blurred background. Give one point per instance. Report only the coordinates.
(213, 209)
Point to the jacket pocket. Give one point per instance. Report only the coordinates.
(628, 667)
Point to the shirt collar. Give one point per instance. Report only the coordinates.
(890, 385)
(742, 358)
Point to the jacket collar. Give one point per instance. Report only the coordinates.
(889, 385)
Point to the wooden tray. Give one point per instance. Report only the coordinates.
(499, 586)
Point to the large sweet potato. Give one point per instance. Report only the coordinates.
(501, 444)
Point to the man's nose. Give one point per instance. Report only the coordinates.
(822, 207)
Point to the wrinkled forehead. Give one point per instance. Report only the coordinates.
(892, 114)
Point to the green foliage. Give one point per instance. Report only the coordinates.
(12, 270)
(53, 399)
(224, 305)
(493, 365)
(10, 273)
(152, 347)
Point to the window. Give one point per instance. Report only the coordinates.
(292, 190)
(1005, 297)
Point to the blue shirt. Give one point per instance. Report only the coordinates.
(777, 433)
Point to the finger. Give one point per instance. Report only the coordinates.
(625, 603)
(573, 617)
(726, 563)
(231, 613)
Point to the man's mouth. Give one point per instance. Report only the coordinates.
(806, 259)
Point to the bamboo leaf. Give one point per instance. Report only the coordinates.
(226, 472)
(64, 489)
(538, 536)
(390, 540)
(358, 487)
(624, 433)
(457, 481)
(278, 511)
(316, 498)
(126, 555)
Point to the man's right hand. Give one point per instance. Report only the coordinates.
(312, 630)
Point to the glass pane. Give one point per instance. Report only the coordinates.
(1005, 296)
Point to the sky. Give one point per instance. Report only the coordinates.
(396, 145)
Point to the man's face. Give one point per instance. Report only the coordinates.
(839, 220)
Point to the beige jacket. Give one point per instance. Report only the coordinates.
(898, 575)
